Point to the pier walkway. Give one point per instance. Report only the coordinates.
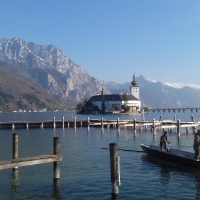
(153, 125)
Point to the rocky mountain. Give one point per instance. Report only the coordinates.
(47, 66)
(18, 93)
(156, 94)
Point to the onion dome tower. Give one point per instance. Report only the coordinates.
(134, 88)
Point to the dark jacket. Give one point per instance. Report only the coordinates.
(163, 141)
(196, 145)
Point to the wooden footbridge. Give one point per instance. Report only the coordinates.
(153, 125)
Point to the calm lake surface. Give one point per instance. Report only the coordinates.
(85, 168)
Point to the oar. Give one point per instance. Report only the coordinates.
(127, 150)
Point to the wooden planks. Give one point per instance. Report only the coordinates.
(29, 161)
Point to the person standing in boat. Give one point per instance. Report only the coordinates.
(164, 142)
(196, 145)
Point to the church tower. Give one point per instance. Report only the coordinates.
(134, 88)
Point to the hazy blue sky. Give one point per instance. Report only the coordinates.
(112, 39)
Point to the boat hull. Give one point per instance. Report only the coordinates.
(183, 158)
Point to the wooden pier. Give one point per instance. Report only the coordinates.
(153, 125)
(19, 162)
(184, 109)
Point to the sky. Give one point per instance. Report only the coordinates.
(114, 39)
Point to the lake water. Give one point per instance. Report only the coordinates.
(85, 168)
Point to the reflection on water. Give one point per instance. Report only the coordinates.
(15, 184)
(165, 175)
(56, 191)
(85, 170)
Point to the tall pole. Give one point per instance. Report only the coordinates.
(113, 168)
(56, 164)
(15, 149)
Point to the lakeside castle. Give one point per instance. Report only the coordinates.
(114, 103)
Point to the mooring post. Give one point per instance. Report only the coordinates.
(174, 117)
(178, 128)
(68, 123)
(75, 122)
(27, 125)
(102, 123)
(15, 148)
(13, 126)
(118, 126)
(192, 118)
(41, 125)
(154, 127)
(56, 164)
(194, 129)
(54, 122)
(63, 122)
(134, 126)
(88, 123)
(113, 168)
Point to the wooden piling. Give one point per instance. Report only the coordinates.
(26, 125)
(154, 132)
(174, 117)
(88, 123)
(15, 148)
(54, 122)
(13, 126)
(41, 125)
(68, 124)
(56, 164)
(118, 126)
(63, 122)
(134, 126)
(178, 128)
(113, 169)
(75, 122)
(102, 123)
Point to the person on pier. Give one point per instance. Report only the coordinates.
(196, 145)
(164, 143)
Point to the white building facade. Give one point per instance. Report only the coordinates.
(118, 102)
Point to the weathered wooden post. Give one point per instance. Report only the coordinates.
(54, 122)
(118, 126)
(68, 123)
(178, 128)
(174, 117)
(75, 122)
(15, 148)
(134, 126)
(113, 168)
(26, 125)
(102, 123)
(192, 118)
(154, 132)
(41, 125)
(56, 164)
(63, 122)
(88, 123)
(13, 126)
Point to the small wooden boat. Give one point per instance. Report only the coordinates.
(179, 157)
